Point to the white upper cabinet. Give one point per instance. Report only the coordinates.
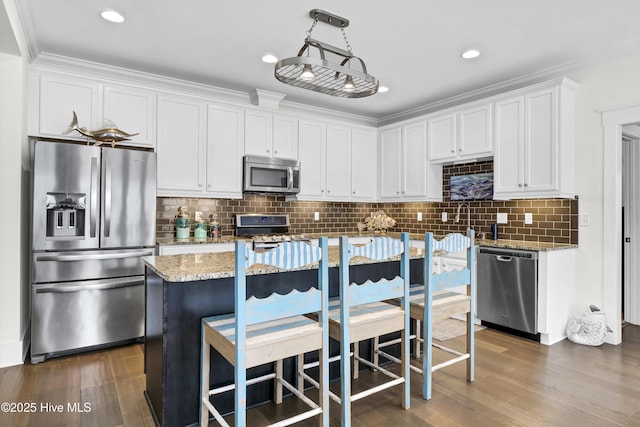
(535, 141)
(363, 164)
(225, 136)
(338, 162)
(312, 142)
(390, 162)
(133, 111)
(200, 148)
(461, 134)
(403, 164)
(271, 135)
(181, 145)
(54, 98)
(57, 98)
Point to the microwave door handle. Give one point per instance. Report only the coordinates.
(290, 184)
(93, 210)
(107, 197)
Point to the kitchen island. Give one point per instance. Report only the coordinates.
(182, 289)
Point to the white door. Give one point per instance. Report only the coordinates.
(541, 141)
(285, 137)
(225, 131)
(363, 161)
(631, 228)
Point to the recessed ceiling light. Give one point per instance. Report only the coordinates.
(269, 59)
(383, 89)
(470, 54)
(112, 16)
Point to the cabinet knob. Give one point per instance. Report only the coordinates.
(453, 151)
(275, 151)
(353, 192)
(397, 192)
(459, 149)
(322, 191)
(519, 185)
(526, 185)
(268, 150)
(328, 191)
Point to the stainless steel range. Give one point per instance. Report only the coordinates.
(266, 230)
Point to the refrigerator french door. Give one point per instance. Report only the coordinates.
(93, 218)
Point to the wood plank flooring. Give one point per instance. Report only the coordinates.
(518, 383)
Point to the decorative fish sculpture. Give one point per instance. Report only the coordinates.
(105, 134)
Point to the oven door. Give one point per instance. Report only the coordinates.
(271, 178)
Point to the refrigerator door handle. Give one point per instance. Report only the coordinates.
(87, 257)
(107, 197)
(62, 289)
(94, 197)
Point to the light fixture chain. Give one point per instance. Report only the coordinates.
(344, 34)
(310, 30)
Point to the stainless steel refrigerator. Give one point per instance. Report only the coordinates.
(94, 212)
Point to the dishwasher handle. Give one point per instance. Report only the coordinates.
(503, 258)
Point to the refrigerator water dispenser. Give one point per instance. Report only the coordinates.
(65, 215)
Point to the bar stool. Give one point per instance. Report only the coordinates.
(269, 330)
(439, 302)
(360, 313)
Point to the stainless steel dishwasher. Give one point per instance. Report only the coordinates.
(507, 292)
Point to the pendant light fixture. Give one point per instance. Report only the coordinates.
(319, 74)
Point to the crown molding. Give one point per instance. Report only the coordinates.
(482, 93)
(120, 75)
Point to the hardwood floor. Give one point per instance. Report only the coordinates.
(518, 383)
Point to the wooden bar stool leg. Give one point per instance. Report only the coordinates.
(356, 363)
(416, 350)
(277, 392)
(300, 363)
(205, 358)
(470, 347)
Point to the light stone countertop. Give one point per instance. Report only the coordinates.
(500, 243)
(191, 267)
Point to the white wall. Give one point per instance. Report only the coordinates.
(614, 84)
(14, 296)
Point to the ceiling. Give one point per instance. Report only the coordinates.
(411, 47)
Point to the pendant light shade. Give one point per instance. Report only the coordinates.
(319, 74)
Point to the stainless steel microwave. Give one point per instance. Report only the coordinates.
(270, 175)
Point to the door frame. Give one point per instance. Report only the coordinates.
(612, 122)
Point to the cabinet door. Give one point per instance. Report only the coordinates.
(285, 137)
(508, 170)
(414, 159)
(133, 111)
(475, 132)
(225, 136)
(60, 97)
(311, 148)
(541, 141)
(258, 133)
(390, 164)
(181, 145)
(363, 164)
(338, 161)
(442, 137)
